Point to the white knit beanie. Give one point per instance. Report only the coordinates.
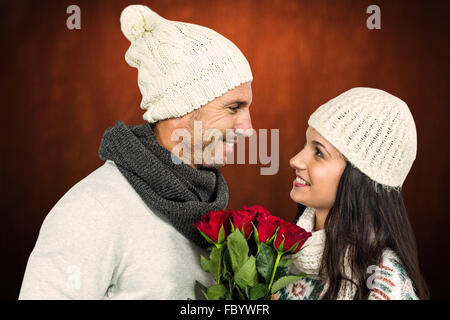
(374, 130)
(181, 66)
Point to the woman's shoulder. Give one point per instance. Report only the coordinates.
(305, 289)
(389, 280)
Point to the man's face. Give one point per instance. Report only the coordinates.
(228, 114)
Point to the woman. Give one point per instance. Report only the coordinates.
(359, 149)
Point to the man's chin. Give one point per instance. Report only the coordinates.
(210, 166)
(212, 161)
(213, 165)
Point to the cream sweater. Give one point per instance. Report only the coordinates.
(101, 241)
(387, 281)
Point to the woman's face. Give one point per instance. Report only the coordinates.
(318, 168)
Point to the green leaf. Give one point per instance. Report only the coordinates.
(216, 292)
(238, 249)
(247, 293)
(272, 238)
(281, 246)
(247, 274)
(221, 236)
(207, 238)
(257, 292)
(200, 291)
(241, 294)
(280, 273)
(242, 230)
(227, 270)
(285, 262)
(255, 233)
(284, 281)
(256, 237)
(228, 296)
(292, 249)
(212, 265)
(265, 261)
(204, 263)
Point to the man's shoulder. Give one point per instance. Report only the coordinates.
(92, 200)
(105, 179)
(104, 196)
(105, 186)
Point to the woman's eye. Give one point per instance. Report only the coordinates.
(319, 153)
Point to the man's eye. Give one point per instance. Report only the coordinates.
(234, 109)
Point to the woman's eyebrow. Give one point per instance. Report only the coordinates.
(317, 143)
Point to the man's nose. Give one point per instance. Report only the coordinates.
(243, 124)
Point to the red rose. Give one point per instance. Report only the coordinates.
(267, 225)
(290, 237)
(211, 224)
(242, 220)
(256, 209)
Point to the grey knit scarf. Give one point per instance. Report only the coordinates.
(179, 192)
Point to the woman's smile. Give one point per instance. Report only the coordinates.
(299, 182)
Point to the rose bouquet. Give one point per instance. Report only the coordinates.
(249, 253)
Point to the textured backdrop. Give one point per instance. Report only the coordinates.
(62, 88)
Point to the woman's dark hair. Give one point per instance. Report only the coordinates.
(359, 212)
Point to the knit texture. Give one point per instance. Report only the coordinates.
(309, 259)
(181, 193)
(101, 241)
(181, 66)
(390, 281)
(374, 130)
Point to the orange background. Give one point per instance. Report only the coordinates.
(62, 88)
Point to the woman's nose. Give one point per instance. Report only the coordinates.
(296, 162)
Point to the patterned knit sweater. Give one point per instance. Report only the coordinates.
(387, 281)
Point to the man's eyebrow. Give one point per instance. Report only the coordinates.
(317, 143)
(239, 102)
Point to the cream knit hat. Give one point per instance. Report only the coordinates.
(374, 130)
(181, 66)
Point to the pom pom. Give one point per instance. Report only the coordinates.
(137, 19)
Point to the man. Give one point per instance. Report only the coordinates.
(126, 230)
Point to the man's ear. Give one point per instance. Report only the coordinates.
(168, 125)
(164, 129)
